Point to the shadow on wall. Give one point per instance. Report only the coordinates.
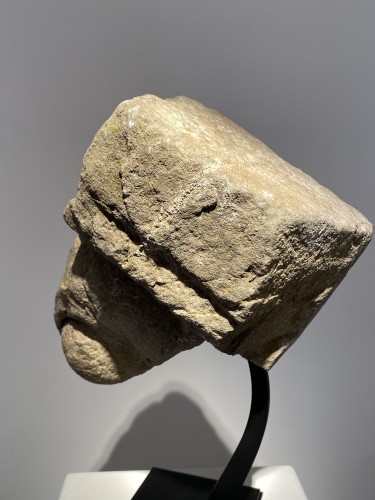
(172, 433)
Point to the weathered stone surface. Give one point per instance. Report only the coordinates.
(239, 246)
(111, 328)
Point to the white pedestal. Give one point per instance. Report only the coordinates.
(276, 483)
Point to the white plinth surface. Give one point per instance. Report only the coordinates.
(276, 483)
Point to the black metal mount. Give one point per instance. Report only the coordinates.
(169, 485)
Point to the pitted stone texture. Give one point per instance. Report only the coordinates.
(240, 246)
(111, 328)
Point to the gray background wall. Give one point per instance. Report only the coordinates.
(298, 74)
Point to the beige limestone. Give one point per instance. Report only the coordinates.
(235, 245)
(111, 328)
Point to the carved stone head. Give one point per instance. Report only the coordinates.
(190, 229)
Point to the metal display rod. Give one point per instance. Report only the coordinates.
(170, 485)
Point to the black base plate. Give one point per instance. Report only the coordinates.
(169, 485)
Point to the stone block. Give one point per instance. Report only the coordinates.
(234, 244)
